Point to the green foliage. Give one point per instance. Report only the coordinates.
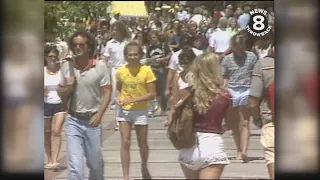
(55, 10)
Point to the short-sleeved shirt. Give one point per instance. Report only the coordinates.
(220, 40)
(262, 77)
(114, 51)
(174, 60)
(238, 73)
(87, 96)
(134, 85)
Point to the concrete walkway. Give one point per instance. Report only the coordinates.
(163, 157)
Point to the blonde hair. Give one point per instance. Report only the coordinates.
(205, 78)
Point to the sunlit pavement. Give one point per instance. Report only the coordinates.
(163, 157)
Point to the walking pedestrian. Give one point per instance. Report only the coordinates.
(53, 107)
(262, 77)
(174, 67)
(114, 57)
(220, 39)
(87, 86)
(135, 87)
(207, 158)
(236, 69)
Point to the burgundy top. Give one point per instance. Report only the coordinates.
(211, 121)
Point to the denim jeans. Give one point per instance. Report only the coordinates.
(83, 140)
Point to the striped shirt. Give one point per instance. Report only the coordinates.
(238, 72)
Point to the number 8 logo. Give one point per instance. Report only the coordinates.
(258, 20)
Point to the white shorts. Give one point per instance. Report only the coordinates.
(136, 117)
(240, 96)
(208, 151)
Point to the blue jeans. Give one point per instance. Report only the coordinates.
(83, 140)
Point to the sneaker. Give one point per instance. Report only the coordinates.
(112, 107)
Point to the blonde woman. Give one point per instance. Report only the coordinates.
(206, 159)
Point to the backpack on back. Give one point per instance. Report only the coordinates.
(270, 94)
(181, 128)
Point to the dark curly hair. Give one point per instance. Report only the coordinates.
(90, 41)
(48, 49)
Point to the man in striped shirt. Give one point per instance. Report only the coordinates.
(236, 69)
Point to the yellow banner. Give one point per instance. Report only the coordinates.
(130, 8)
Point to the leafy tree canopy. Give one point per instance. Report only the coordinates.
(55, 11)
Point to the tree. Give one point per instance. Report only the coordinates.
(55, 11)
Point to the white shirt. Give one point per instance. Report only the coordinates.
(15, 78)
(243, 20)
(174, 60)
(209, 32)
(114, 51)
(51, 82)
(182, 84)
(197, 18)
(220, 40)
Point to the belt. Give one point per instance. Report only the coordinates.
(219, 53)
(82, 116)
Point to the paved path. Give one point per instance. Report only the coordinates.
(163, 157)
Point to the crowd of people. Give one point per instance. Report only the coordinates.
(142, 67)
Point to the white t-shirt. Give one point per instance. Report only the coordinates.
(174, 60)
(220, 40)
(51, 82)
(114, 51)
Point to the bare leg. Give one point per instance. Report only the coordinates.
(159, 102)
(142, 138)
(233, 120)
(59, 119)
(244, 130)
(125, 131)
(211, 172)
(188, 173)
(271, 170)
(47, 140)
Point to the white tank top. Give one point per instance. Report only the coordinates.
(51, 81)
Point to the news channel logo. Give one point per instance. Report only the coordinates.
(258, 24)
